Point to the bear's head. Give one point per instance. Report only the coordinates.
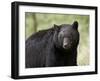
(67, 36)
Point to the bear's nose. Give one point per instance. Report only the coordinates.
(65, 45)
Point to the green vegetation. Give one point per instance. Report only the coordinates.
(39, 21)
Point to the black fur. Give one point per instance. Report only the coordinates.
(45, 48)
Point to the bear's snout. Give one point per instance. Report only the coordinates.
(66, 43)
(65, 46)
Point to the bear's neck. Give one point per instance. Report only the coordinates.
(66, 57)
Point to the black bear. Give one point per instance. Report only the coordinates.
(53, 47)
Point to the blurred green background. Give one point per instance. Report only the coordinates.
(39, 21)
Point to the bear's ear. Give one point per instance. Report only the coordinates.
(75, 25)
(56, 26)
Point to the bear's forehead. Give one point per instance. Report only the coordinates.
(67, 30)
(66, 27)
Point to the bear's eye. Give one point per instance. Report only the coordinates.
(61, 34)
(61, 37)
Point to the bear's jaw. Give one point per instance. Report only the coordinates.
(67, 46)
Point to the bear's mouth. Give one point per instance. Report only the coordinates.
(67, 46)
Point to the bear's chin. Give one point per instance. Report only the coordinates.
(66, 48)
